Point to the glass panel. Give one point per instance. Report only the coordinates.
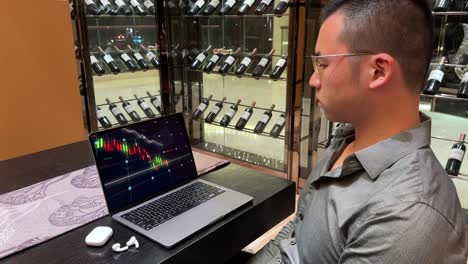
(226, 34)
(125, 48)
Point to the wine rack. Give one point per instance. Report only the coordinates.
(245, 129)
(450, 13)
(177, 38)
(448, 108)
(128, 100)
(108, 113)
(195, 33)
(265, 76)
(110, 32)
(234, 16)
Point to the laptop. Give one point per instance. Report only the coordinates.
(150, 182)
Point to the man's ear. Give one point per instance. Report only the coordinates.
(382, 68)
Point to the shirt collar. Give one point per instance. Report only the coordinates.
(378, 157)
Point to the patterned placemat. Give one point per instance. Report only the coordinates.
(39, 212)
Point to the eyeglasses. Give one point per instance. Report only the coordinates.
(319, 67)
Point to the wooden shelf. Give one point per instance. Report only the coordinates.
(445, 96)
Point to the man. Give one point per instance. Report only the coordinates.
(379, 195)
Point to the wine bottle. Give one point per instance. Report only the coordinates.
(140, 60)
(279, 68)
(182, 3)
(175, 55)
(435, 79)
(230, 114)
(96, 65)
(154, 100)
(281, 7)
(215, 111)
(463, 89)
(145, 107)
(245, 63)
(150, 6)
(262, 65)
(210, 7)
(213, 61)
(202, 107)
(198, 61)
(264, 121)
(245, 117)
(456, 157)
(196, 7)
(123, 8)
(189, 57)
(127, 60)
(116, 112)
(178, 97)
(130, 110)
(110, 62)
(171, 4)
(92, 7)
(151, 57)
(262, 7)
(137, 8)
(245, 7)
(185, 3)
(278, 127)
(442, 5)
(227, 7)
(102, 118)
(108, 8)
(228, 62)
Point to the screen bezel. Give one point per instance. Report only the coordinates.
(153, 195)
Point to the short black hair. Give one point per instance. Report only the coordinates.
(401, 28)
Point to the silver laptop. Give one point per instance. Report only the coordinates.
(150, 182)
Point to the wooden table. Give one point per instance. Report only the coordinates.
(274, 200)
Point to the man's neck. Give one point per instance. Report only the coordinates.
(377, 128)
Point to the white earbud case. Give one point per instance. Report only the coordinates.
(99, 236)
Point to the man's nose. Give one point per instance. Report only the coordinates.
(314, 81)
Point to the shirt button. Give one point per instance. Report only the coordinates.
(279, 261)
(301, 216)
(293, 242)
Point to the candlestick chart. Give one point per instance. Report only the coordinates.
(142, 160)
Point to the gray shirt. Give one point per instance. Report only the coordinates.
(391, 202)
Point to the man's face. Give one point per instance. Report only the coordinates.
(338, 85)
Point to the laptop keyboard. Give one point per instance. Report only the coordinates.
(161, 210)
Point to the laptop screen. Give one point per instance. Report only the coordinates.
(142, 159)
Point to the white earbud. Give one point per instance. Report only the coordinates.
(116, 248)
(133, 241)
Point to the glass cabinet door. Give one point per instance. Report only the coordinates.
(230, 62)
(120, 51)
(448, 104)
(313, 126)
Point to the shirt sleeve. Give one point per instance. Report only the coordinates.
(403, 233)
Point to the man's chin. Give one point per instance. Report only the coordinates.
(331, 117)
